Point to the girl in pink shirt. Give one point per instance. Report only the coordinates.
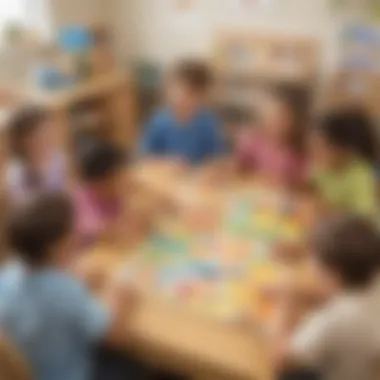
(275, 149)
(100, 199)
(106, 205)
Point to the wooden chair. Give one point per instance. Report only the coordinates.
(12, 365)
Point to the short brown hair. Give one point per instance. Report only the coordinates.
(353, 129)
(37, 225)
(101, 159)
(24, 121)
(297, 99)
(349, 246)
(195, 74)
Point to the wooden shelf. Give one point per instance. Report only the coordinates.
(115, 90)
(98, 87)
(249, 60)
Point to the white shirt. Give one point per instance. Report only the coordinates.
(342, 341)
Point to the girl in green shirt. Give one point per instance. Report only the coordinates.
(344, 152)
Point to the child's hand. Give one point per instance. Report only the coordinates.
(92, 275)
(288, 252)
(246, 323)
(124, 294)
(279, 352)
(122, 299)
(215, 173)
(120, 231)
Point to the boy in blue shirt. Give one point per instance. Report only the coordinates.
(52, 319)
(186, 129)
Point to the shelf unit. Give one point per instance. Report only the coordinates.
(113, 95)
(246, 62)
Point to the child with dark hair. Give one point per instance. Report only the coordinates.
(276, 148)
(51, 317)
(36, 162)
(7, 264)
(186, 129)
(101, 200)
(344, 154)
(341, 340)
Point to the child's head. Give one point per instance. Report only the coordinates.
(102, 168)
(341, 135)
(285, 113)
(31, 135)
(40, 231)
(347, 252)
(188, 85)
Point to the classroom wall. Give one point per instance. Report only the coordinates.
(46, 17)
(148, 29)
(65, 12)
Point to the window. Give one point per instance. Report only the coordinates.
(34, 14)
(11, 10)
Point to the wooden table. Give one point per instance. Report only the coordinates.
(180, 341)
(171, 336)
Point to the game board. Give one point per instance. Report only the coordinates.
(216, 268)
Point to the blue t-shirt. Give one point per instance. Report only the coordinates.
(198, 141)
(53, 320)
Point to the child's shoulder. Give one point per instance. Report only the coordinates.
(10, 273)
(361, 170)
(324, 321)
(161, 118)
(361, 166)
(208, 117)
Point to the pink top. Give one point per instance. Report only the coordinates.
(93, 214)
(255, 152)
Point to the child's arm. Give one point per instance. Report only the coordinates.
(216, 172)
(301, 342)
(122, 301)
(108, 322)
(289, 251)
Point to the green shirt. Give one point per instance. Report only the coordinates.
(352, 188)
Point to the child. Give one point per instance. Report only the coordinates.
(186, 129)
(7, 264)
(100, 203)
(276, 149)
(51, 317)
(36, 163)
(344, 153)
(341, 340)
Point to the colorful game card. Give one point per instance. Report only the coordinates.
(218, 272)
